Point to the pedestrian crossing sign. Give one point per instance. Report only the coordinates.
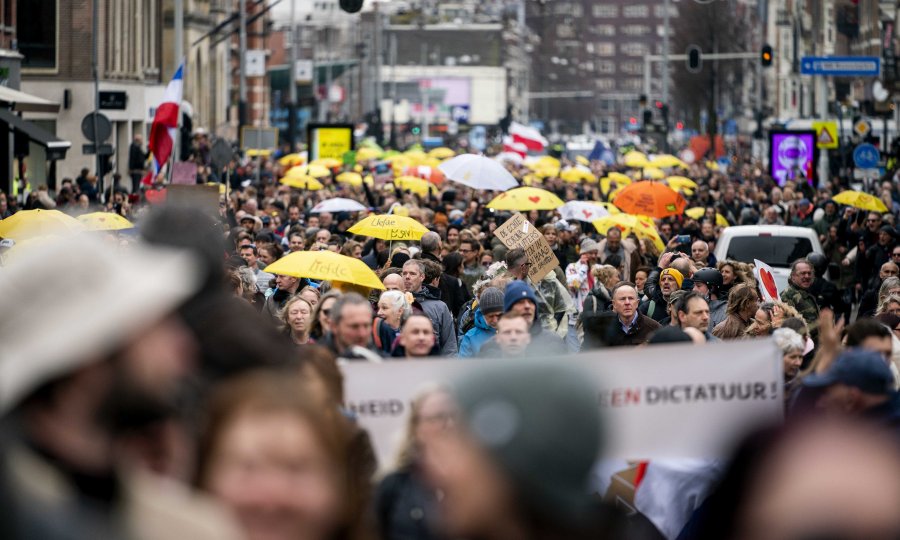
(826, 134)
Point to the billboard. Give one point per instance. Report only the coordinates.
(792, 156)
(329, 140)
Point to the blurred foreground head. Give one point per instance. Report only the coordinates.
(822, 478)
(89, 302)
(520, 460)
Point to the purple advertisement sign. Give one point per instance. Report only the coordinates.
(792, 155)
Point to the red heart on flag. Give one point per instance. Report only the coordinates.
(587, 214)
(156, 196)
(535, 200)
(768, 281)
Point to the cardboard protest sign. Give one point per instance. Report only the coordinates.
(205, 198)
(184, 172)
(677, 401)
(767, 286)
(519, 232)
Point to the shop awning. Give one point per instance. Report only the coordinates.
(56, 147)
(21, 102)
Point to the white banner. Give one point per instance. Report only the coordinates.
(674, 401)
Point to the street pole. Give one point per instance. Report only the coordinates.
(292, 81)
(96, 72)
(665, 74)
(242, 64)
(378, 52)
(424, 91)
(393, 141)
(179, 54)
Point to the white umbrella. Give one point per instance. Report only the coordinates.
(478, 172)
(512, 157)
(582, 211)
(338, 204)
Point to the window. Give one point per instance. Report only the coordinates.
(778, 251)
(635, 49)
(36, 33)
(634, 12)
(605, 30)
(660, 11)
(631, 84)
(606, 67)
(605, 84)
(565, 31)
(635, 30)
(631, 68)
(603, 11)
(568, 8)
(605, 49)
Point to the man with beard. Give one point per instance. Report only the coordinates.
(105, 361)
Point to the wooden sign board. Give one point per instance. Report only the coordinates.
(519, 232)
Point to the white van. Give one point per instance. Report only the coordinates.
(776, 245)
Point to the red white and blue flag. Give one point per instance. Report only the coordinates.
(165, 122)
(527, 135)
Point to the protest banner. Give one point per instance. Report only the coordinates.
(768, 288)
(184, 173)
(677, 401)
(519, 232)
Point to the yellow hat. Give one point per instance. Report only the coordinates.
(679, 278)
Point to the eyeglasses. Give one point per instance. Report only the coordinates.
(895, 254)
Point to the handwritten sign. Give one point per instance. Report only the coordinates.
(184, 173)
(330, 141)
(519, 232)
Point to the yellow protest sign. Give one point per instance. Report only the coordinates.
(330, 141)
(826, 134)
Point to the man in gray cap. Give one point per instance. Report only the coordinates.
(517, 466)
(84, 359)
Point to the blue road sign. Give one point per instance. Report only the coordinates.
(866, 156)
(841, 66)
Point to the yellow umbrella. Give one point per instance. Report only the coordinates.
(389, 227)
(698, 212)
(221, 187)
(653, 173)
(677, 182)
(856, 199)
(105, 221)
(415, 156)
(325, 265)
(354, 179)
(524, 199)
(635, 160)
(530, 179)
(620, 180)
(442, 153)
(625, 222)
(302, 182)
(577, 174)
(546, 172)
(366, 153)
(582, 160)
(328, 163)
(646, 229)
(414, 184)
(289, 160)
(316, 171)
(666, 161)
(34, 223)
(253, 152)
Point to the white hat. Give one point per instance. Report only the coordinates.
(72, 300)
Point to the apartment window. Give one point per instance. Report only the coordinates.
(605, 84)
(607, 67)
(631, 68)
(634, 49)
(605, 49)
(635, 30)
(603, 11)
(660, 11)
(36, 33)
(631, 84)
(634, 12)
(568, 8)
(605, 30)
(565, 31)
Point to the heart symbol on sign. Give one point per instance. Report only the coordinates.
(535, 200)
(587, 214)
(768, 281)
(156, 196)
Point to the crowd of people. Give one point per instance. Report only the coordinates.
(163, 384)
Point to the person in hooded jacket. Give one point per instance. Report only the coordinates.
(429, 298)
(487, 313)
(519, 297)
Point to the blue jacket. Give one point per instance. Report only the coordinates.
(472, 341)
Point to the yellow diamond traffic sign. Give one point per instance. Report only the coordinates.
(826, 134)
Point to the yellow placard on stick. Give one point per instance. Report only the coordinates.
(519, 232)
(329, 141)
(826, 134)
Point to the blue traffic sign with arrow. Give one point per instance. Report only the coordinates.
(841, 66)
(866, 156)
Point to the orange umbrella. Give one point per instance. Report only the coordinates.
(650, 199)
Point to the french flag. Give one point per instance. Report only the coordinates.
(509, 145)
(529, 136)
(165, 122)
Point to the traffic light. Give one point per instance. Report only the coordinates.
(766, 56)
(351, 6)
(694, 59)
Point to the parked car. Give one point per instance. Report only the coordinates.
(776, 245)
